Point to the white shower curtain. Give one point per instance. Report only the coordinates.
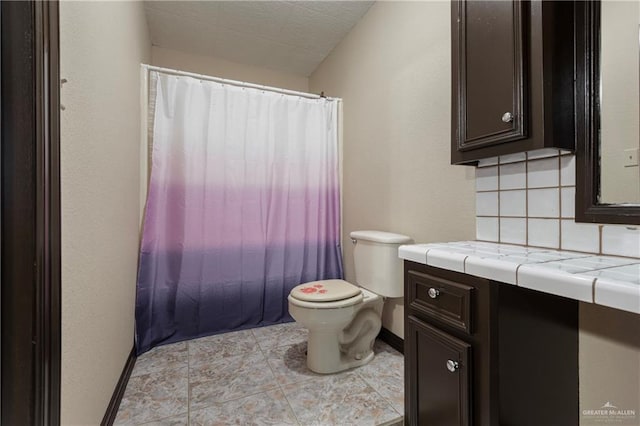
(243, 205)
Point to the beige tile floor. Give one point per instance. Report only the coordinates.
(259, 377)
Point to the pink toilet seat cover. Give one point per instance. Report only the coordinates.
(325, 291)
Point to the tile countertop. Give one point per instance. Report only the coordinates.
(604, 280)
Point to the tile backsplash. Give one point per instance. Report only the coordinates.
(528, 199)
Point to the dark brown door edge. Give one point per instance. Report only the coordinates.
(30, 213)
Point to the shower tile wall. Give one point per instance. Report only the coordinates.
(528, 199)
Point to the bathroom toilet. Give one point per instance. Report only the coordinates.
(344, 319)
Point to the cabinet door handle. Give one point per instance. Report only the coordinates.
(434, 292)
(507, 117)
(452, 365)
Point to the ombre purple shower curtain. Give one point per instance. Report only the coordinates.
(243, 205)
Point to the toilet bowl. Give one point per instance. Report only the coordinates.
(336, 342)
(344, 319)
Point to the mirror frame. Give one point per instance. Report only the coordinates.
(587, 115)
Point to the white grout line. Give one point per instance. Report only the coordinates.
(526, 200)
(499, 239)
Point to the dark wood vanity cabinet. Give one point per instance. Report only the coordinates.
(481, 353)
(432, 349)
(512, 77)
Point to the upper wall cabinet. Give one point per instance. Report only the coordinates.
(512, 77)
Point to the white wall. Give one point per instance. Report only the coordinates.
(609, 360)
(223, 68)
(102, 46)
(393, 73)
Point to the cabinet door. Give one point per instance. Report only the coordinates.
(437, 376)
(489, 73)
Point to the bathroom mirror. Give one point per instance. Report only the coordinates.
(608, 111)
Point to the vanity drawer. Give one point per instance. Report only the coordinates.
(446, 301)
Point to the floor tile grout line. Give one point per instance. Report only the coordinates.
(357, 372)
(209, 362)
(264, 351)
(232, 400)
(379, 394)
(189, 367)
(158, 420)
(297, 419)
(154, 374)
(224, 358)
(375, 389)
(295, 416)
(188, 383)
(372, 388)
(259, 348)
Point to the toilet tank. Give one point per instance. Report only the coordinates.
(378, 267)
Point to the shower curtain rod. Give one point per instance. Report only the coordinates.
(235, 82)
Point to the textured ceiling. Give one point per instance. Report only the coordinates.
(286, 36)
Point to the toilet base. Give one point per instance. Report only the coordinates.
(329, 351)
(324, 354)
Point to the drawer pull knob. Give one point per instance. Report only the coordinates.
(507, 117)
(452, 366)
(434, 292)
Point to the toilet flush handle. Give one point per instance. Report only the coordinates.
(354, 241)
